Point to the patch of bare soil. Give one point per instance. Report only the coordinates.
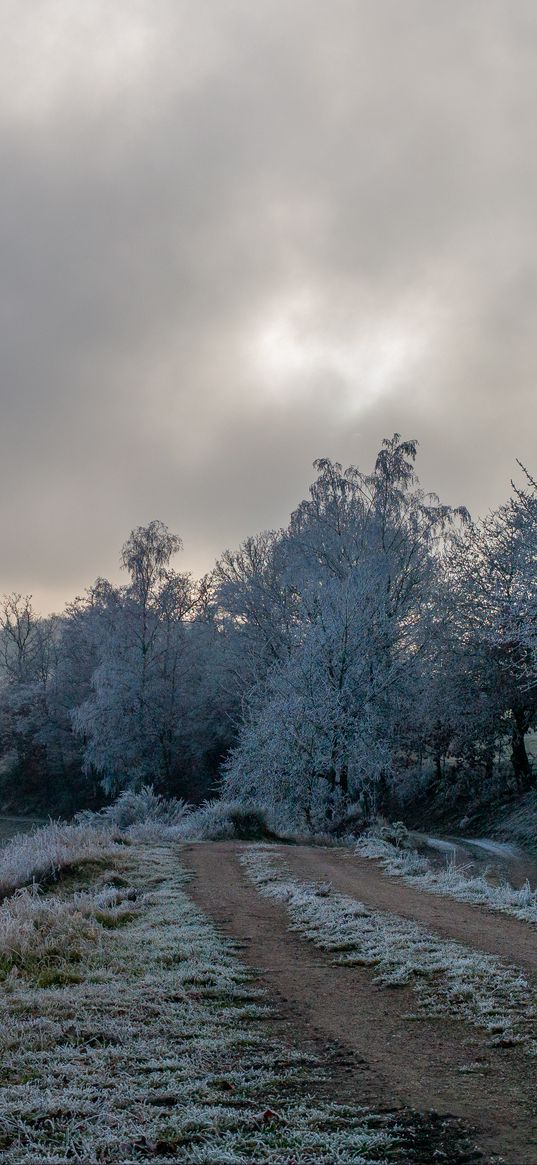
(374, 1054)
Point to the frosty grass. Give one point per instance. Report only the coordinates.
(131, 1033)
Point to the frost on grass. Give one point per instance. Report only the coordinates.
(44, 936)
(161, 1052)
(449, 979)
(452, 882)
(43, 854)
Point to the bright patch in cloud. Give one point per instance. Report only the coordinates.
(369, 357)
(57, 55)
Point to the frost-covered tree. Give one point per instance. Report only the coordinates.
(370, 647)
(358, 559)
(491, 577)
(23, 638)
(256, 608)
(316, 732)
(39, 752)
(132, 722)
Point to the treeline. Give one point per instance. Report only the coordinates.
(380, 648)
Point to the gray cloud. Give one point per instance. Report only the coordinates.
(236, 237)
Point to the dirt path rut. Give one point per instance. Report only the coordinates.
(485, 930)
(386, 1058)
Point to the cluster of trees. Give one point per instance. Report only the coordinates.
(120, 690)
(380, 644)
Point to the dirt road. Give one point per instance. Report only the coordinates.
(376, 1055)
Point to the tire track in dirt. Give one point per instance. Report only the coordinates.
(485, 930)
(382, 1059)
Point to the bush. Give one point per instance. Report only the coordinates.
(395, 833)
(142, 808)
(227, 820)
(146, 816)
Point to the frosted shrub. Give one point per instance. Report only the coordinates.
(396, 833)
(144, 807)
(55, 847)
(222, 820)
(146, 816)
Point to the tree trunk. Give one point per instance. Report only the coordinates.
(438, 767)
(519, 757)
(488, 764)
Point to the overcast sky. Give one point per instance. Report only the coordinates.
(236, 236)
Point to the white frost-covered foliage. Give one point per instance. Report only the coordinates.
(448, 978)
(452, 882)
(364, 649)
(144, 807)
(341, 674)
(42, 855)
(135, 720)
(316, 733)
(224, 820)
(161, 1054)
(146, 816)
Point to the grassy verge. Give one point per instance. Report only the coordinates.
(44, 854)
